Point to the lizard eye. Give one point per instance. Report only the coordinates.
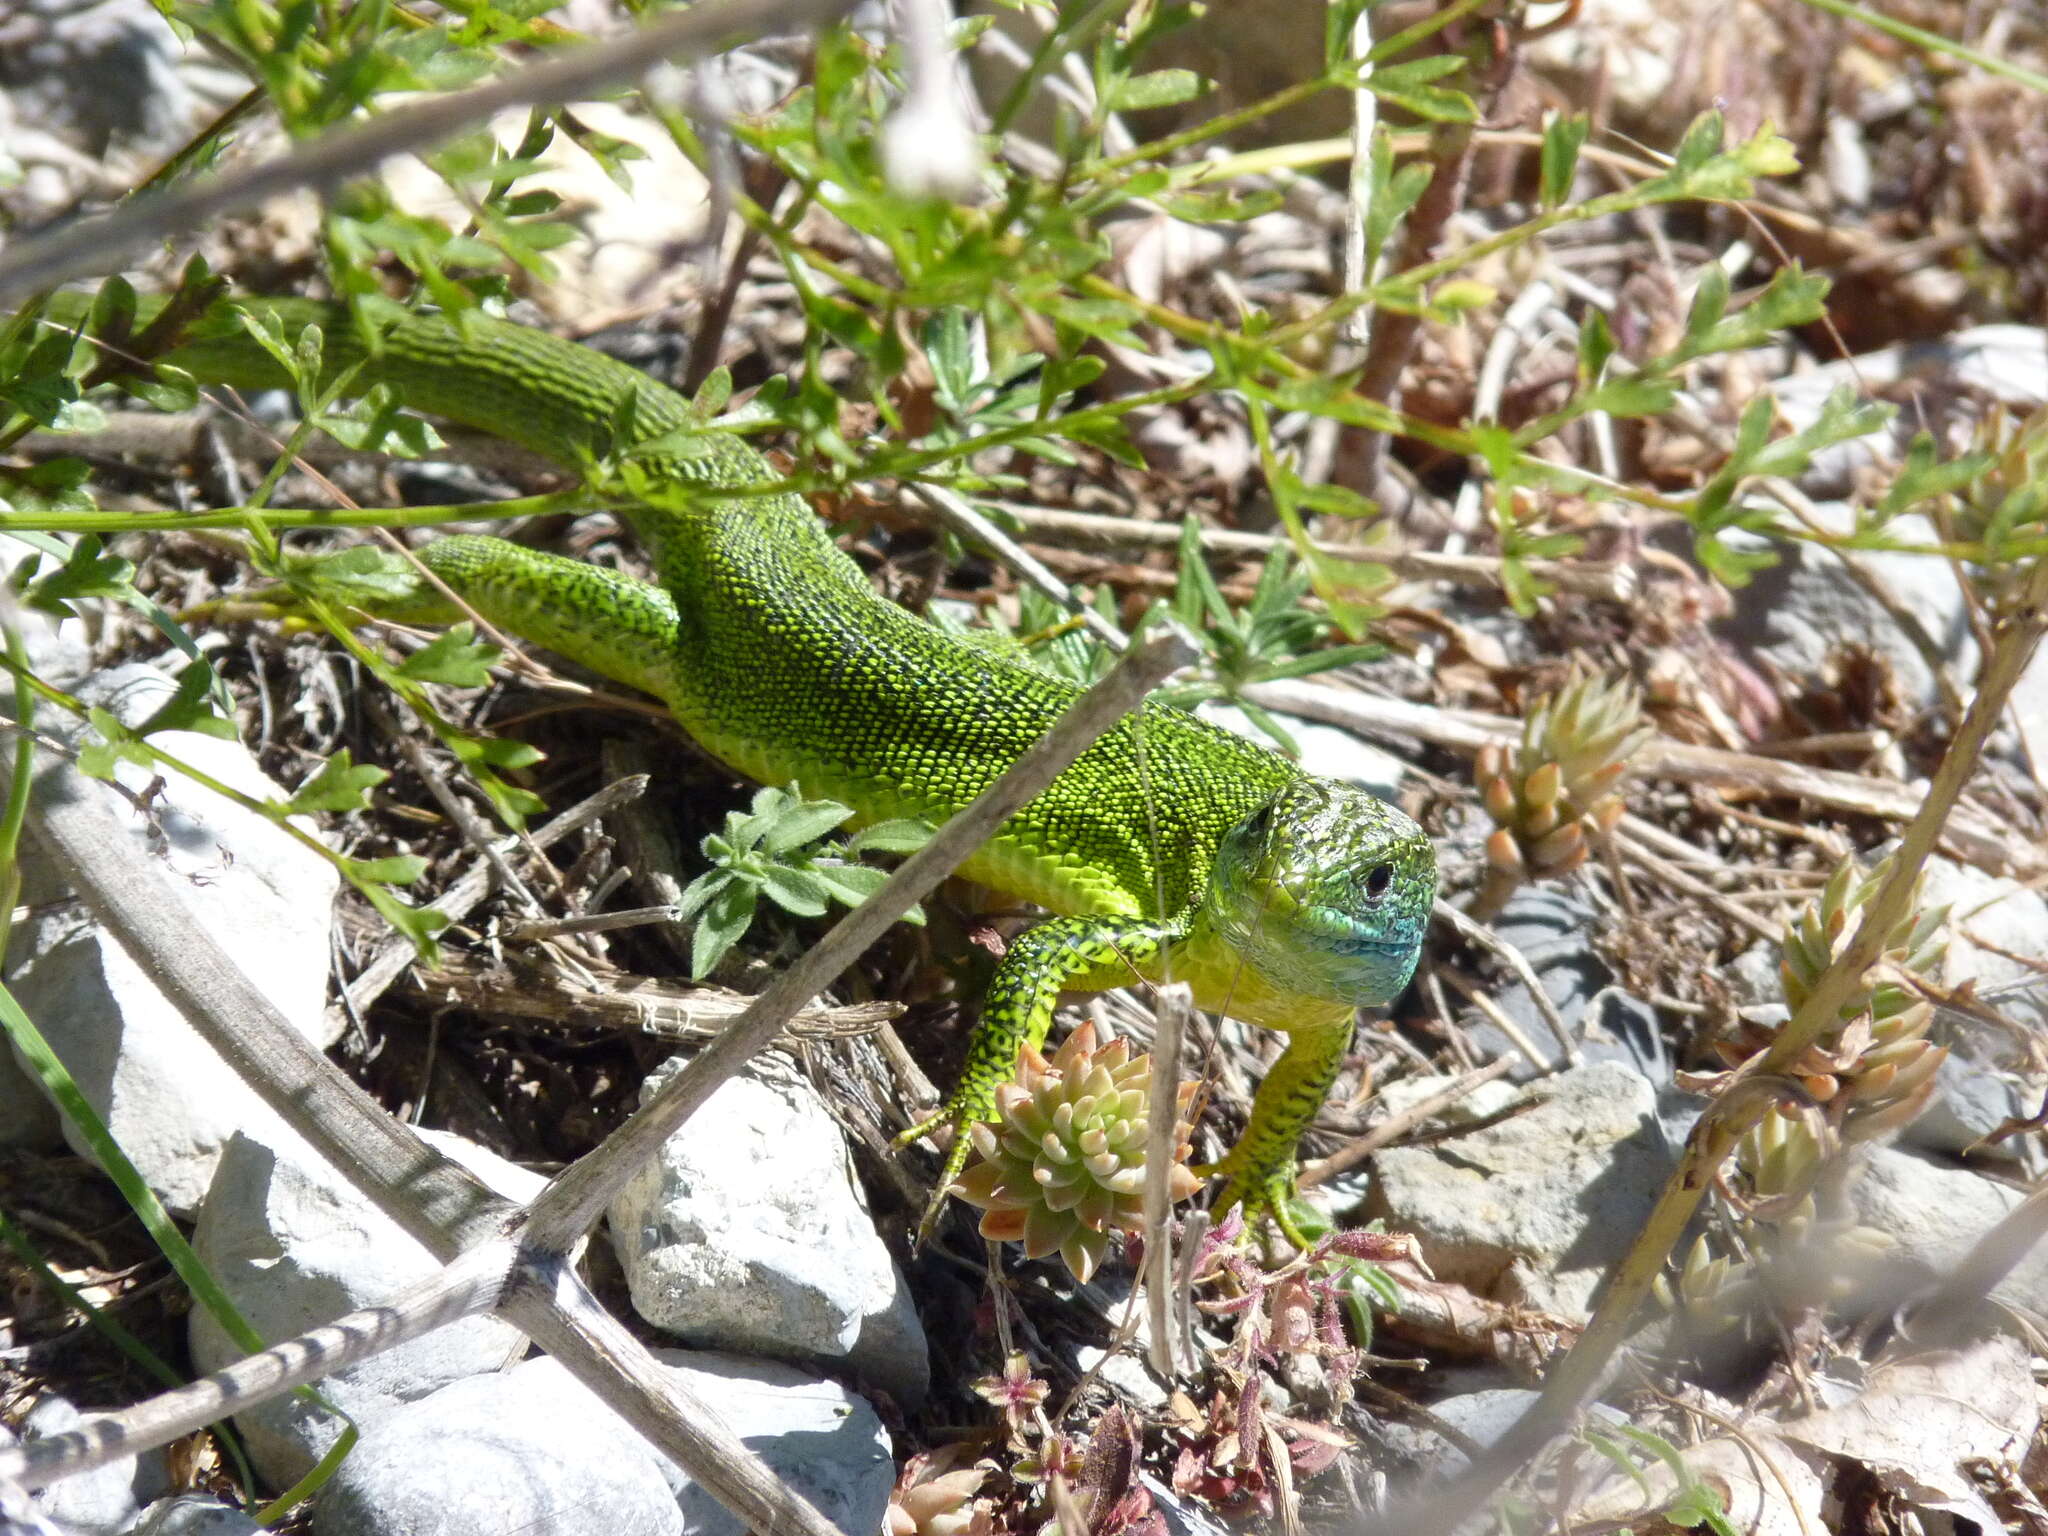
(1377, 879)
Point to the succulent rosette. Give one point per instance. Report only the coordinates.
(1063, 1165)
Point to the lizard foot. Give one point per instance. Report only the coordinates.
(1271, 1192)
(960, 1114)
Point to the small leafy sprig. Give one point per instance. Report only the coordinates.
(1272, 636)
(773, 849)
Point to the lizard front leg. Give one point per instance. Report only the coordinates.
(1068, 953)
(1259, 1172)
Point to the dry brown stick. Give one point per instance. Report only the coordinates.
(1475, 932)
(1586, 578)
(1975, 836)
(392, 958)
(1399, 1124)
(631, 1004)
(106, 243)
(1674, 875)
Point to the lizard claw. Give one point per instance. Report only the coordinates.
(960, 1113)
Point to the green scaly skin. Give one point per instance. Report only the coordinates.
(1169, 850)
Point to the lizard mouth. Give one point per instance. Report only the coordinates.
(1346, 935)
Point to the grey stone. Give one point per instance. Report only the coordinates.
(748, 1233)
(534, 1450)
(1753, 980)
(99, 71)
(1990, 1075)
(1554, 934)
(1935, 1212)
(194, 1515)
(1482, 1416)
(1534, 1209)
(100, 1502)
(1798, 611)
(821, 1439)
(20, 1515)
(295, 1245)
(528, 1450)
(267, 900)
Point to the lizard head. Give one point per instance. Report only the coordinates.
(1326, 890)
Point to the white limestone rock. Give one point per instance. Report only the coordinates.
(748, 1233)
(295, 1245)
(266, 899)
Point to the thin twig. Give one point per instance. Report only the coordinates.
(645, 1005)
(456, 903)
(1584, 578)
(956, 513)
(1479, 933)
(1173, 1007)
(107, 243)
(1399, 1124)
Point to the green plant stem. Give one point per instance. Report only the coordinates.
(297, 517)
(1933, 42)
(16, 813)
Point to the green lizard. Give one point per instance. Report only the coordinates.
(1170, 850)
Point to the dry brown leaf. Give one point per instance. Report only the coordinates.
(1923, 1419)
(1767, 1486)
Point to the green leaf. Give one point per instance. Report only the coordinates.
(698, 893)
(362, 575)
(393, 869)
(852, 884)
(1563, 137)
(1158, 88)
(1596, 346)
(110, 744)
(901, 836)
(340, 785)
(1632, 395)
(713, 394)
(1409, 86)
(796, 891)
(456, 658)
(1207, 207)
(192, 707)
(804, 822)
(1702, 142)
(169, 388)
(1709, 303)
(1923, 476)
(86, 573)
(724, 923)
(55, 485)
(417, 924)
